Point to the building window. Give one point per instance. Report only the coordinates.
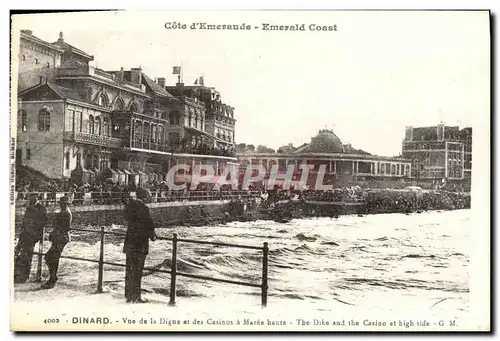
(43, 120)
(102, 101)
(24, 120)
(119, 105)
(70, 120)
(78, 121)
(78, 160)
(90, 129)
(98, 125)
(133, 107)
(67, 160)
(37, 61)
(28, 154)
(173, 119)
(23, 57)
(160, 134)
(105, 126)
(153, 133)
(48, 65)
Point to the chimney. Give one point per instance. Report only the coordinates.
(61, 38)
(136, 75)
(27, 32)
(408, 133)
(161, 82)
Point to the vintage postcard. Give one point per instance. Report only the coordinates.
(250, 171)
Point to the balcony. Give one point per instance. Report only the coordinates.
(97, 140)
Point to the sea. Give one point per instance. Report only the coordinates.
(384, 267)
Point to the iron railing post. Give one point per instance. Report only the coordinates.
(173, 272)
(101, 262)
(38, 277)
(265, 256)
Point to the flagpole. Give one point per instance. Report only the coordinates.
(182, 72)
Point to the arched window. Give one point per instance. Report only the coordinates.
(133, 107)
(43, 120)
(105, 126)
(90, 128)
(119, 105)
(196, 121)
(98, 125)
(102, 101)
(78, 160)
(23, 116)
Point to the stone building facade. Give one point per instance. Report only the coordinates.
(439, 152)
(37, 61)
(344, 165)
(84, 123)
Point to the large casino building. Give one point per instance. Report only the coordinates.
(81, 123)
(345, 165)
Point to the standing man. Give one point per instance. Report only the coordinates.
(34, 221)
(140, 229)
(59, 237)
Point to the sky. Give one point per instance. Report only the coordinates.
(379, 72)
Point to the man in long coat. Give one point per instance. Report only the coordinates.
(34, 221)
(59, 237)
(140, 229)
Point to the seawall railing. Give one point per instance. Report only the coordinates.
(174, 273)
(114, 198)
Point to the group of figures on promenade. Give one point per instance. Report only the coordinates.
(140, 229)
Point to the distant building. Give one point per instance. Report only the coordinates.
(219, 120)
(37, 60)
(439, 152)
(345, 165)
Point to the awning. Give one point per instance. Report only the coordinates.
(111, 170)
(119, 171)
(126, 171)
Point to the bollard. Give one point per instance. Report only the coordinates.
(265, 256)
(101, 263)
(38, 277)
(173, 271)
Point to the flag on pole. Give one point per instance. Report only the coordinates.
(196, 81)
(177, 70)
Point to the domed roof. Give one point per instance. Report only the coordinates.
(325, 142)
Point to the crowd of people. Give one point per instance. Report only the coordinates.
(376, 201)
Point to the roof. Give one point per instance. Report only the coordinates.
(155, 87)
(327, 142)
(30, 36)
(51, 91)
(62, 44)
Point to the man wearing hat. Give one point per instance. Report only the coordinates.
(34, 221)
(140, 229)
(59, 237)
